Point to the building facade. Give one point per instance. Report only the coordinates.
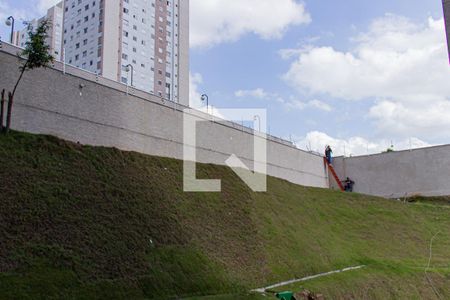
(55, 17)
(446, 4)
(142, 43)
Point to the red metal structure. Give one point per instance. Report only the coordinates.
(335, 176)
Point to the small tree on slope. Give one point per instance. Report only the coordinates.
(36, 54)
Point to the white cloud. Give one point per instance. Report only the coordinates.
(219, 21)
(430, 117)
(256, 93)
(317, 141)
(320, 105)
(401, 65)
(7, 10)
(395, 58)
(195, 101)
(194, 94)
(290, 103)
(301, 105)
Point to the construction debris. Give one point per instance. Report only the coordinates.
(308, 295)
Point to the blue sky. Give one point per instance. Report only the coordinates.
(354, 74)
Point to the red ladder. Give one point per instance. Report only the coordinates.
(335, 176)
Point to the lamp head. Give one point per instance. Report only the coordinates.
(8, 22)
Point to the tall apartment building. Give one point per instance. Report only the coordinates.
(55, 17)
(446, 4)
(151, 36)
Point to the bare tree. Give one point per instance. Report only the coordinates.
(36, 54)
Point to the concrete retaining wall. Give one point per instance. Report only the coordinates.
(81, 107)
(398, 174)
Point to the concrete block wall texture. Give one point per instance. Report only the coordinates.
(399, 174)
(81, 107)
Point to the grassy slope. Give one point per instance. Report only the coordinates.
(85, 222)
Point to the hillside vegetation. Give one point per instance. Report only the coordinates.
(79, 222)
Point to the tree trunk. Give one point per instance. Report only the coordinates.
(9, 113)
(11, 99)
(23, 69)
(2, 109)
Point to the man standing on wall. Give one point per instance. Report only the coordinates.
(328, 154)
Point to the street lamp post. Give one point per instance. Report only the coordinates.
(206, 98)
(256, 117)
(129, 68)
(10, 22)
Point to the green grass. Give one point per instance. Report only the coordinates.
(80, 222)
(378, 281)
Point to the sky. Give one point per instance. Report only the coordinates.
(358, 75)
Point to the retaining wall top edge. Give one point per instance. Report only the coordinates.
(393, 153)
